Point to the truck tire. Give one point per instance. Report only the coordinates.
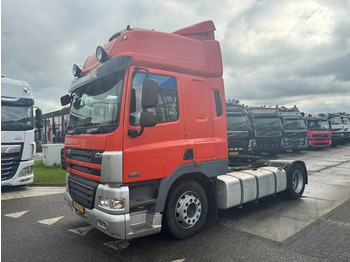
(186, 210)
(296, 182)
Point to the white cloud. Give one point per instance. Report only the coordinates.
(274, 52)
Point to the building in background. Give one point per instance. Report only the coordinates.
(54, 127)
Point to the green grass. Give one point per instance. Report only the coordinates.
(48, 174)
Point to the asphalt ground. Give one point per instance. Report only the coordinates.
(38, 226)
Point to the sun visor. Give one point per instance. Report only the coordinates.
(113, 65)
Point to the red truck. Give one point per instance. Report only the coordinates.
(147, 137)
(318, 132)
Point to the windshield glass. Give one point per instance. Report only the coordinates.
(267, 124)
(96, 106)
(336, 120)
(346, 121)
(15, 118)
(237, 123)
(293, 124)
(318, 125)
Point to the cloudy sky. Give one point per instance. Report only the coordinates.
(274, 52)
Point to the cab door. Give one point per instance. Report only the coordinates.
(159, 150)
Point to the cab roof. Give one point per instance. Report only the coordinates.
(191, 50)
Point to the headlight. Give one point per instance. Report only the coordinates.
(26, 171)
(101, 54)
(76, 71)
(112, 203)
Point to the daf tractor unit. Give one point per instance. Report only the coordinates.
(267, 130)
(146, 147)
(17, 132)
(295, 132)
(318, 132)
(239, 132)
(337, 128)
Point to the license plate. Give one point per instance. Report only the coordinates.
(234, 153)
(78, 207)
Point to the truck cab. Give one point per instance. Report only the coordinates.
(17, 133)
(267, 130)
(318, 132)
(337, 128)
(346, 123)
(239, 131)
(295, 132)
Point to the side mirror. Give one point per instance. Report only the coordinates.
(65, 100)
(149, 93)
(148, 119)
(38, 118)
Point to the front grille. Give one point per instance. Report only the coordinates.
(265, 143)
(337, 135)
(82, 190)
(295, 135)
(88, 170)
(9, 164)
(237, 142)
(83, 155)
(320, 136)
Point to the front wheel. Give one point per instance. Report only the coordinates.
(186, 210)
(296, 182)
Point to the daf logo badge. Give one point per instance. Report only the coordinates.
(98, 155)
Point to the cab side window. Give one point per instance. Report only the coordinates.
(167, 107)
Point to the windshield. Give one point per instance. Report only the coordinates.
(267, 124)
(293, 124)
(346, 121)
(237, 123)
(336, 120)
(96, 106)
(318, 125)
(14, 118)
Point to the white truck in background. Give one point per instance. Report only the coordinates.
(17, 132)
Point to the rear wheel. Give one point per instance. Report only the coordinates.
(296, 182)
(186, 210)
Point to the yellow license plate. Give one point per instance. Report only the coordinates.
(78, 207)
(234, 153)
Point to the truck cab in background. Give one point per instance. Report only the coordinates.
(337, 128)
(239, 132)
(267, 130)
(295, 132)
(17, 132)
(346, 123)
(318, 132)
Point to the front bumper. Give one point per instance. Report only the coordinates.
(295, 145)
(120, 226)
(319, 143)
